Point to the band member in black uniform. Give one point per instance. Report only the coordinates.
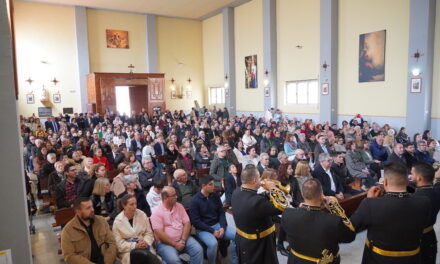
(314, 235)
(255, 230)
(395, 221)
(423, 175)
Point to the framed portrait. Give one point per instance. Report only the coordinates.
(30, 98)
(56, 97)
(117, 39)
(173, 94)
(416, 85)
(372, 56)
(251, 75)
(324, 87)
(266, 91)
(189, 94)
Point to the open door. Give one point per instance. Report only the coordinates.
(138, 97)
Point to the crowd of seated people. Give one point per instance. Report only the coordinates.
(148, 165)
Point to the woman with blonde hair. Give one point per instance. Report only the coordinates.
(104, 200)
(302, 173)
(133, 234)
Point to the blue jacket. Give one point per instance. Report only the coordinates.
(206, 212)
(378, 152)
(424, 157)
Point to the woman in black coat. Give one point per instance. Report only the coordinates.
(131, 187)
(104, 201)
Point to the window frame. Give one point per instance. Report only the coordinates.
(217, 90)
(308, 81)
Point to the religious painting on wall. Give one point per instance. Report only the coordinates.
(117, 39)
(251, 80)
(372, 56)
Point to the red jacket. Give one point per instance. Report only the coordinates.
(103, 160)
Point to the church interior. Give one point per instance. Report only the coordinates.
(299, 68)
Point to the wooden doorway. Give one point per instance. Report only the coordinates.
(146, 90)
(138, 97)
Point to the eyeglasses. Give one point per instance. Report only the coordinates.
(172, 196)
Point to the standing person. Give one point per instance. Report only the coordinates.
(208, 217)
(423, 175)
(172, 228)
(395, 229)
(87, 238)
(219, 166)
(314, 235)
(253, 213)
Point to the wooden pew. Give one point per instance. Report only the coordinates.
(351, 204)
(200, 172)
(63, 216)
(161, 159)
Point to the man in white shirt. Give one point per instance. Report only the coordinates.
(331, 184)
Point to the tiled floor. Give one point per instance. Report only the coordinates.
(45, 243)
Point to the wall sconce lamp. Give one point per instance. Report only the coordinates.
(172, 87)
(226, 81)
(189, 84)
(266, 78)
(416, 72)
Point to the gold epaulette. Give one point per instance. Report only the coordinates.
(336, 209)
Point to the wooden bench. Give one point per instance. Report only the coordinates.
(63, 216)
(351, 204)
(200, 172)
(161, 159)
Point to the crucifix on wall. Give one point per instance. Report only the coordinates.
(131, 67)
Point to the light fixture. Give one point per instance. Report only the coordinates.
(226, 81)
(131, 67)
(325, 66)
(415, 72)
(172, 87)
(266, 78)
(189, 84)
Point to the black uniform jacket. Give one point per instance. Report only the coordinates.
(310, 231)
(395, 222)
(252, 215)
(434, 197)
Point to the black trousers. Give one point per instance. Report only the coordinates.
(428, 253)
(142, 256)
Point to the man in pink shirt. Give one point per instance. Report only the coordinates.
(172, 227)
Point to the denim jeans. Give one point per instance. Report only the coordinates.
(171, 256)
(211, 243)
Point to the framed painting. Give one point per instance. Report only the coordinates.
(266, 91)
(56, 98)
(324, 87)
(416, 85)
(372, 56)
(251, 75)
(117, 39)
(30, 98)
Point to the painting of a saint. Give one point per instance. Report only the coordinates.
(372, 56)
(117, 39)
(251, 77)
